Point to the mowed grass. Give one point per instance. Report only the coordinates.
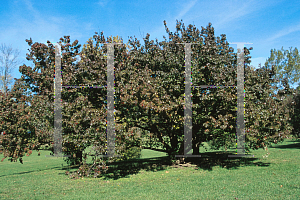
(215, 177)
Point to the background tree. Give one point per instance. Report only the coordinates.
(8, 61)
(295, 119)
(267, 118)
(286, 64)
(287, 67)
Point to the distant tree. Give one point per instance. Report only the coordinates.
(287, 72)
(295, 121)
(267, 115)
(8, 61)
(286, 65)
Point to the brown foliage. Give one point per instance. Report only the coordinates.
(149, 91)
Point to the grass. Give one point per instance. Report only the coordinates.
(214, 176)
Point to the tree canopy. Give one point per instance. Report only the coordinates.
(149, 95)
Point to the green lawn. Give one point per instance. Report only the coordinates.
(215, 177)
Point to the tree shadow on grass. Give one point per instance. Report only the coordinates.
(295, 145)
(46, 169)
(207, 161)
(134, 166)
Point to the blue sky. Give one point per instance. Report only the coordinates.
(267, 24)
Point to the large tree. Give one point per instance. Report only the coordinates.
(84, 112)
(153, 91)
(90, 130)
(149, 93)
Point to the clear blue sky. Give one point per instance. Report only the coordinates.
(267, 24)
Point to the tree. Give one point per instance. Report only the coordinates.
(152, 89)
(286, 64)
(38, 80)
(160, 107)
(295, 119)
(267, 118)
(87, 72)
(16, 120)
(8, 61)
(83, 110)
(287, 67)
(149, 94)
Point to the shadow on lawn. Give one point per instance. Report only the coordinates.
(207, 161)
(295, 145)
(32, 171)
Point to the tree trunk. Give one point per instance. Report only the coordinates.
(78, 157)
(196, 149)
